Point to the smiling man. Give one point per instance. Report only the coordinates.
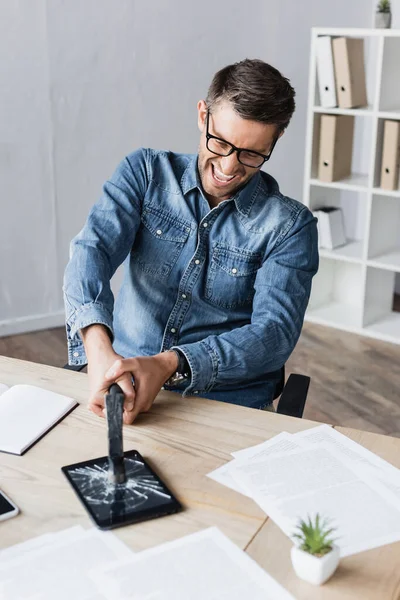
(218, 262)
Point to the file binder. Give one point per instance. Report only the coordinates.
(331, 232)
(348, 59)
(315, 213)
(335, 147)
(326, 71)
(390, 156)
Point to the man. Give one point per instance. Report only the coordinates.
(218, 263)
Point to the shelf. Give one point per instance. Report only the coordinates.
(383, 192)
(393, 114)
(357, 182)
(355, 32)
(386, 328)
(351, 252)
(336, 314)
(384, 235)
(336, 297)
(389, 261)
(354, 287)
(362, 112)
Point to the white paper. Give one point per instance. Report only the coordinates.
(3, 388)
(223, 476)
(39, 542)
(60, 570)
(290, 486)
(293, 474)
(364, 518)
(202, 566)
(282, 442)
(26, 412)
(386, 473)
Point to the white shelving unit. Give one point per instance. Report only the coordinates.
(355, 285)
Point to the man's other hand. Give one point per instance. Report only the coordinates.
(101, 357)
(99, 385)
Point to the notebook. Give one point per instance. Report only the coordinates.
(28, 412)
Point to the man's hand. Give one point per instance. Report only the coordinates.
(149, 374)
(101, 356)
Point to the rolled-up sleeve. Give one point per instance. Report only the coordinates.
(282, 291)
(99, 249)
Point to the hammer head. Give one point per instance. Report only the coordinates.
(116, 471)
(114, 401)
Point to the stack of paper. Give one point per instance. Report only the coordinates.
(202, 566)
(321, 471)
(93, 565)
(56, 565)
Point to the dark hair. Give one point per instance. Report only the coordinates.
(256, 90)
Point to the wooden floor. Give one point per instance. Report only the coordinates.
(355, 381)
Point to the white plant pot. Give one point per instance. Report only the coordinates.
(383, 20)
(313, 569)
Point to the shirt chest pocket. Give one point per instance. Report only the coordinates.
(159, 242)
(231, 276)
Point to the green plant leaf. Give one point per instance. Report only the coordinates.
(383, 6)
(314, 537)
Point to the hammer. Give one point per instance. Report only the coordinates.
(114, 409)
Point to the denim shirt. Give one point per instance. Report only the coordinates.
(228, 286)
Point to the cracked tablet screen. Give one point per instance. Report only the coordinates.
(141, 491)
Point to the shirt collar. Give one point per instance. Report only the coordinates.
(243, 199)
(190, 178)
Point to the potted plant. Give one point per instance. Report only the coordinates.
(383, 16)
(316, 557)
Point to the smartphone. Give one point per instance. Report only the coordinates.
(7, 508)
(143, 496)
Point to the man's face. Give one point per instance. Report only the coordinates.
(222, 176)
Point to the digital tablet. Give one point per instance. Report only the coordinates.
(143, 495)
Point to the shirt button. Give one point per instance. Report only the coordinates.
(173, 330)
(205, 224)
(158, 232)
(184, 296)
(76, 354)
(234, 270)
(197, 262)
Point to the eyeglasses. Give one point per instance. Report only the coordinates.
(249, 158)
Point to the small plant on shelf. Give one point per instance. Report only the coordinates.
(383, 6)
(383, 15)
(316, 557)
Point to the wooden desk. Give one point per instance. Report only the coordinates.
(185, 439)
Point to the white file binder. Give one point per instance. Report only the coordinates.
(331, 232)
(326, 72)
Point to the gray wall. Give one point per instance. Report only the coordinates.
(82, 83)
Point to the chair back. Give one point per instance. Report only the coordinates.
(281, 383)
